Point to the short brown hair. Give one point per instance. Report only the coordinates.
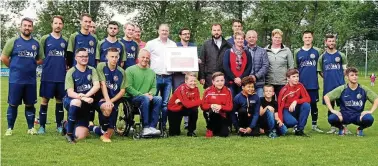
(328, 36)
(268, 86)
(27, 19)
(351, 70)
(247, 80)
(291, 72)
(217, 74)
(216, 24)
(112, 49)
(85, 15)
(189, 74)
(237, 20)
(308, 32)
(58, 17)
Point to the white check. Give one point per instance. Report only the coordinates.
(181, 59)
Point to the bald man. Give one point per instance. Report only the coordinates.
(260, 62)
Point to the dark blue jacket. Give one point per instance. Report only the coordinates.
(241, 101)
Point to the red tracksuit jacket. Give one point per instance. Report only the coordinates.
(222, 97)
(189, 98)
(288, 94)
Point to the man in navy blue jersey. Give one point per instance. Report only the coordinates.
(131, 47)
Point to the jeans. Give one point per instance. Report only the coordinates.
(297, 117)
(164, 87)
(260, 92)
(267, 121)
(149, 119)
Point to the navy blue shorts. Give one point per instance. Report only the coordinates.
(314, 95)
(82, 123)
(82, 117)
(66, 102)
(349, 118)
(22, 92)
(52, 89)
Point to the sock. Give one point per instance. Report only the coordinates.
(43, 115)
(59, 114)
(11, 116)
(30, 116)
(71, 119)
(314, 123)
(97, 130)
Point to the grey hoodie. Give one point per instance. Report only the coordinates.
(279, 63)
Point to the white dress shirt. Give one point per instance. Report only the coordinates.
(157, 50)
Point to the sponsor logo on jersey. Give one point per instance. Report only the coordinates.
(332, 66)
(353, 103)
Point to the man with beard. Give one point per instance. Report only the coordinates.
(54, 47)
(111, 41)
(331, 65)
(22, 54)
(131, 47)
(137, 34)
(82, 39)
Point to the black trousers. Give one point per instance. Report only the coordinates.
(244, 121)
(218, 124)
(175, 118)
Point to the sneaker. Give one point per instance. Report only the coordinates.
(105, 137)
(32, 131)
(348, 132)
(332, 130)
(59, 130)
(9, 132)
(41, 130)
(317, 129)
(360, 133)
(300, 133)
(147, 131)
(191, 134)
(209, 133)
(70, 139)
(295, 129)
(272, 134)
(155, 131)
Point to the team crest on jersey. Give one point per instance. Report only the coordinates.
(115, 78)
(92, 50)
(91, 43)
(34, 47)
(312, 56)
(133, 48)
(89, 77)
(119, 50)
(62, 45)
(359, 96)
(337, 59)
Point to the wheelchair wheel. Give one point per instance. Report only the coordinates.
(121, 125)
(136, 136)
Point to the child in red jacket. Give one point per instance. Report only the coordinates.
(217, 101)
(184, 102)
(293, 103)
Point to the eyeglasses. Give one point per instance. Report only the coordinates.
(82, 56)
(185, 34)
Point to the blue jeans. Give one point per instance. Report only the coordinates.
(297, 117)
(260, 92)
(149, 119)
(164, 87)
(267, 121)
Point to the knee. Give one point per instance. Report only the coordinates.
(13, 106)
(333, 119)
(75, 102)
(306, 106)
(291, 123)
(157, 100)
(29, 107)
(368, 119)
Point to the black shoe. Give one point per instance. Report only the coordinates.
(186, 127)
(70, 139)
(191, 134)
(64, 131)
(300, 133)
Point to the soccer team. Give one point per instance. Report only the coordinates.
(251, 89)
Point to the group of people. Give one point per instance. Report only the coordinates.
(252, 89)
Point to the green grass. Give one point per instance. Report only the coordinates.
(319, 149)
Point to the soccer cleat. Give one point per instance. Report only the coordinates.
(191, 134)
(272, 134)
(360, 133)
(9, 132)
(32, 131)
(59, 130)
(317, 129)
(105, 137)
(209, 133)
(70, 139)
(332, 130)
(41, 130)
(147, 131)
(300, 133)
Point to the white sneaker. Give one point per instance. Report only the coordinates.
(332, 130)
(9, 132)
(316, 128)
(155, 131)
(147, 131)
(32, 131)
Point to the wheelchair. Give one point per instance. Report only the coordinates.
(126, 124)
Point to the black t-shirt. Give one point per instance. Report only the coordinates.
(272, 103)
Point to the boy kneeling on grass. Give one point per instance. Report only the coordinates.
(352, 97)
(217, 101)
(269, 121)
(184, 102)
(247, 105)
(294, 103)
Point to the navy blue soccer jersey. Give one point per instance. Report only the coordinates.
(332, 66)
(23, 59)
(115, 80)
(79, 40)
(131, 48)
(306, 62)
(102, 50)
(54, 64)
(81, 82)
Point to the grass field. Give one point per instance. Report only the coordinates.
(319, 149)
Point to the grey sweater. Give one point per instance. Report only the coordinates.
(279, 63)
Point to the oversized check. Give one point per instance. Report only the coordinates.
(181, 59)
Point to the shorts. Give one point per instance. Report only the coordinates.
(349, 118)
(314, 95)
(22, 92)
(83, 114)
(52, 89)
(82, 123)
